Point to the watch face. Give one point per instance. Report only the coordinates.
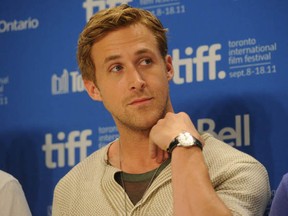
(185, 139)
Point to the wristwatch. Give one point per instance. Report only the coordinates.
(184, 139)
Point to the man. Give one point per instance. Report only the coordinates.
(157, 166)
(12, 197)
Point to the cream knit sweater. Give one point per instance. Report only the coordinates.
(90, 189)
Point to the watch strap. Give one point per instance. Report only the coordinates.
(175, 142)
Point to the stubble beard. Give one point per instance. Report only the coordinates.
(141, 120)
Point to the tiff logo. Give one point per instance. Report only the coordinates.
(60, 84)
(75, 140)
(90, 5)
(205, 57)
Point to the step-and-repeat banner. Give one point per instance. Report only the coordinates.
(231, 76)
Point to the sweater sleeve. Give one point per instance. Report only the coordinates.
(239, 180)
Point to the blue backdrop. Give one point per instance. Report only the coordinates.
(230, 76)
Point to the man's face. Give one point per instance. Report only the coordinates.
(132, 77)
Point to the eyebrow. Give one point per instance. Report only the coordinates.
(111, 58)
(114, 57)
(142, 51)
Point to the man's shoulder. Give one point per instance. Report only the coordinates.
(223, 159)
(6, 178)
(85, 169)
(237, 177)
(83, 177)
(216, 149)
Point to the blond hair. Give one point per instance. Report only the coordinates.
(111, 19)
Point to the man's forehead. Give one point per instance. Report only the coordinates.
(133, 40)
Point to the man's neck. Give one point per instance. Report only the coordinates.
(132, 150)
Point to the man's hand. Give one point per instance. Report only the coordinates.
(166, 130)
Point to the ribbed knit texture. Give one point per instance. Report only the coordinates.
(90, 189)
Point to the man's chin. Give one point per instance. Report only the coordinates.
(143, 124)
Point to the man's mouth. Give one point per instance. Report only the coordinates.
(140, 101)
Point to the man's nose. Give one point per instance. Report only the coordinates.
(136, 80)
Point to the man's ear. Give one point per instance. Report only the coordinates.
(92, 90)
(169, 67)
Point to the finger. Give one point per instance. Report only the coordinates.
(152, 149)
(160, 155)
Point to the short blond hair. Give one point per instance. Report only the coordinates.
(108, 20)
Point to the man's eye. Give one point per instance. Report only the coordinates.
(117, 68)
(146, 62)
